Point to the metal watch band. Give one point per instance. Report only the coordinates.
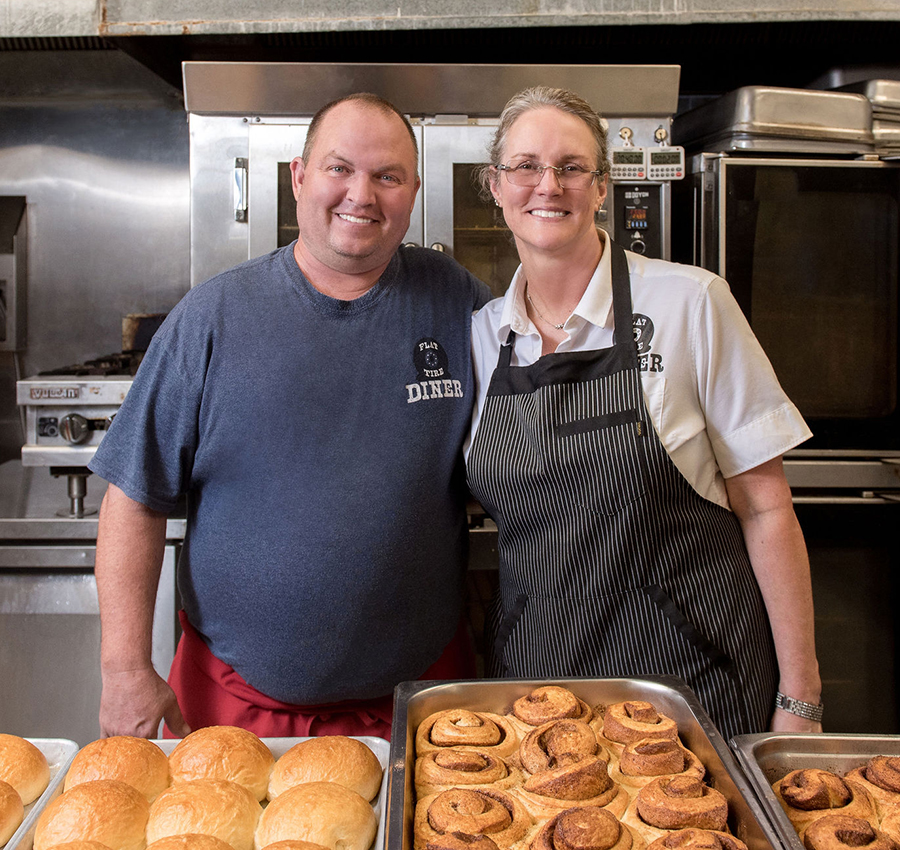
(807, 710)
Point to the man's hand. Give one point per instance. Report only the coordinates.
(134, 701)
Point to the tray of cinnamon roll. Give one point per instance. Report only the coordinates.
(826, 791)
(570, 764)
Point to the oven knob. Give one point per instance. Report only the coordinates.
(74, 429)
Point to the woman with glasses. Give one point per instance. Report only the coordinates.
(627, 440)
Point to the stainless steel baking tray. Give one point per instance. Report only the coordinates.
(59, 753)
(884, 95)
(778, 113)
(278, 747)
(414, 701)
(767, 757)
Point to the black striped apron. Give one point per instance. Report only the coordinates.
(611, 564)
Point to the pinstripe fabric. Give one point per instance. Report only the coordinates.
(611, 564)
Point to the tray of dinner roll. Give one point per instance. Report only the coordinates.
(219, 788)
(31, 769)
(826, 791)
(565, 764)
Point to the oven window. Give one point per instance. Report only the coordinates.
(812, 256)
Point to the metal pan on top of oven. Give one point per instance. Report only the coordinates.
(414, 701)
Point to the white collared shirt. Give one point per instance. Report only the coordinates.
(710, 390)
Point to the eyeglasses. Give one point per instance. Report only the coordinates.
(568, 176)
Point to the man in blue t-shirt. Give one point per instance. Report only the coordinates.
(310, 405)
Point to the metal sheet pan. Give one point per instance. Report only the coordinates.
(767, 757)
(59, 753)
(278, 747)
(414, 701)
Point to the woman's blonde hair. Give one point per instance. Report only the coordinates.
(538, 97)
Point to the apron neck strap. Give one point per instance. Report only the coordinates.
(621, 294)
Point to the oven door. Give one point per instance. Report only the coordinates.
(810, 250)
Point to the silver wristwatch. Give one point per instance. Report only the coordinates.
(807, 710)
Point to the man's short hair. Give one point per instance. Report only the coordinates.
(366, 98)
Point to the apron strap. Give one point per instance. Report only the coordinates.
(621, 293)
(506, 350)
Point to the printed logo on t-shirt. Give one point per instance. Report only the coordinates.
(433, 378)
(643, 334)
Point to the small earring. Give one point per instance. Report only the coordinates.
(497, 203)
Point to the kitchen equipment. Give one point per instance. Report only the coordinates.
(278, 747)
(414, 701)
(884, 96)
(13, 271)
(59, 753)
(765, 758)
(248, 120)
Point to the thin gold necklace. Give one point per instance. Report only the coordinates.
(559, 327)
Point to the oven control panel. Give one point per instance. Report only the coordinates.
(633, 163)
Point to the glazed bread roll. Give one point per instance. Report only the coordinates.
(12, 812)
(545, 745)
(462, 728)
(473, 812)
(190, 841)
(585, 828)
(105, 810)
(880, 776)
(840, 832)
(294, 844)
(216, 807)
(223, 752)
(80, 845)
(574, 781)
(697, 839)
(643, 761)
(460, 768)
(547, 703)
(330, 758)
(319, 812)
(135, 761)
(809, 794)
(633, 720)
(670, 803)
(23, 766)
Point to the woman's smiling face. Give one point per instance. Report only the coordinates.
(547, 218)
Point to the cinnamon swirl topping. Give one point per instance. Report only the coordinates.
(629, 722)
(580, 779)
(583, 828)
(697, 839)
(653, 757)
(451, 766)
(464, 727)
(469, 812)
(812, 789)
(883, 771)
(550, 703)
(559, 740)
(461, 841)
(681, 802)
(839, 832)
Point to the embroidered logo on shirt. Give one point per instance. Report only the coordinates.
(433, 378)
(643, 333)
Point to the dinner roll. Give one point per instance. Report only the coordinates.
(223, 752)
(225, 810)
(23, 766)
(330, 758)
(190, 841)
(80, 845)
(12, 812)
(135, 761)
(105, 810)
(321, 812)
(294, 844)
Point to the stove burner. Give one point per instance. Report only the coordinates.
(122, 363)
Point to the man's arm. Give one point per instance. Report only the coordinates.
(130, 547)
(761, 500)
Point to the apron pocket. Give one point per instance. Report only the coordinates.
(497, 663)
(600, 461)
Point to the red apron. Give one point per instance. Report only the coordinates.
(210, 693)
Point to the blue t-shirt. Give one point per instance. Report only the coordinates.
(319, 444)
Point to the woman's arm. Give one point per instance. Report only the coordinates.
(761, 500)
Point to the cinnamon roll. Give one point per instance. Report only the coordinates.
(544, 746)
(643, 761)
(461, 841)
(880, 776)
(670, 803)
(547, 703)
(574, 781)
(890, 822)
(630, 721)
(472, 812)
(840, 832)
(459, 727)
(809, 794)
(460, 768)
(586, 828)
(697, 839)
